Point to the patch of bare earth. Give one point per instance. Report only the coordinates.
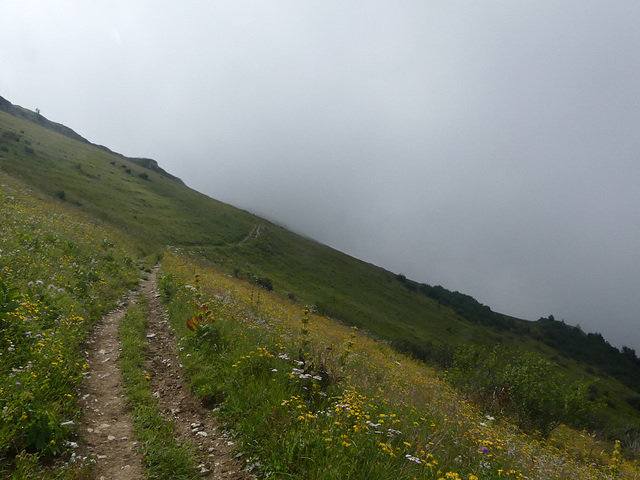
(107, 426)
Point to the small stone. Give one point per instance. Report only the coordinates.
(111, 438)
(102, 457)
(202, 434)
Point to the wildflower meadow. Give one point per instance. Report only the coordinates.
(59, 273)
(310, 398)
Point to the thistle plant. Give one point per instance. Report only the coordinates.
(304, 331)
(616, 460)
(197, 296)
(349, 347)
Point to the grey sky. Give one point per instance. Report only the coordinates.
(490, 147)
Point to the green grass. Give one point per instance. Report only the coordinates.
(59, 273)
(157, 209)
(163, 456)
(310, 398)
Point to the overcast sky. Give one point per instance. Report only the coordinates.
(491, 147)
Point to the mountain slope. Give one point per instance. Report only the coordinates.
(144, 202)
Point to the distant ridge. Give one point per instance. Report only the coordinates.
(37, 118)
(18, 111)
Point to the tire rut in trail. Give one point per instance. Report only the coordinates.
(107, 426)
(194, 423)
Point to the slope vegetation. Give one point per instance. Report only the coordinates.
(154, 209)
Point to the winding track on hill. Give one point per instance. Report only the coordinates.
(253, 234)
(107, 426)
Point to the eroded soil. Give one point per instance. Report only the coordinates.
(107, 426)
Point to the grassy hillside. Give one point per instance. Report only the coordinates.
(155, 210)
(309, 398)
(163, 211)
(303, 396)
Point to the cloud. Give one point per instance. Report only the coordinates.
(489, 147)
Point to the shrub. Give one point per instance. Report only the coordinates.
(525, 387)
(265, 282)
(540, 398)
(11, 136)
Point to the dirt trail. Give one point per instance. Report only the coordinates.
(108, 426)
(253, 234)
(194, 423)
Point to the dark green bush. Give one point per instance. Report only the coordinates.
(265, 282)
(523, 386)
